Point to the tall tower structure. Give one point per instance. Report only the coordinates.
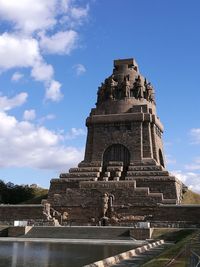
(124, 121)
(124, 161)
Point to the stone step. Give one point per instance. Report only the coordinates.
(115, 163)
(73, 179)
(144, 162)
(114, 168)
(160, 195)
(142, 190)
(79, 174)
(147, 173)
(85, 169)
(140, 259)
(169, 201)
(145, 168)
(90, 164)
(83, 232)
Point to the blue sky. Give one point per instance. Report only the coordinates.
(55, 53)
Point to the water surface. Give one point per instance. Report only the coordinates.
(32, 254)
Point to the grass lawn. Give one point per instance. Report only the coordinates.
(190, 197)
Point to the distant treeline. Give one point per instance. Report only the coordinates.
(15, 194)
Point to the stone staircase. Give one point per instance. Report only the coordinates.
(144, 176)
(73, 232)
(114, 171)
(83, 173)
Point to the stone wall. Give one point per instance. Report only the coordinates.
(132, 130)
(183, 214)
(143, 191)
(159, 216)
(102, 136)
(18, 231)
(11, 213)
(167, 185)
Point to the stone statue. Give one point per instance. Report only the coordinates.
(107, 90)
(111, 87)
(138, 88)
(65, 215)
(126, 86)
(47, 210)
(105, 200)
(149, 95)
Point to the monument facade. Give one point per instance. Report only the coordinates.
(124, 163)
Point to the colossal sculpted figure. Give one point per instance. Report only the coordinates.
(138, 88)
(105, 200)
(149, 92)
(111, 87)
(126, 87)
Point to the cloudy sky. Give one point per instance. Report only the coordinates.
(55, 53)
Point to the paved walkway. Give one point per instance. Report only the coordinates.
(142, 258)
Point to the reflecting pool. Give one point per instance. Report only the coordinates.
(35, 254)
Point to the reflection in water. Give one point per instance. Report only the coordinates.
(14, 254)
(30, 254)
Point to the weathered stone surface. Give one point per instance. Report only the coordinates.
(124, 158)
(147, 173)
(79, 174)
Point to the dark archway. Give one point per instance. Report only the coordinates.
(116, 152)
(161, 158)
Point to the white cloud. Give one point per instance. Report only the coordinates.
(42, 71)
(75, 132)
(29, 15)
(79, 13)
(80, 69)
(16, 51)
(191, 179)
(59, 43)
(29, 115)
(31, 22)
(17, 76)
(10, 103)
(34, 146)
(195, 134)
(193, 166)
(76, 15)
(53, 92)
(46, 118)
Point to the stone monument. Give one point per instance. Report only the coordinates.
(124, 164)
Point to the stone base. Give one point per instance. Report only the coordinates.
(141, 184)
(83, 199)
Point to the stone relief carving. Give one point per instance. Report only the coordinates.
(112, 89)
(50, 213)
(105, 200)
(126, 87)
(107, 204)
(138, 88)
(47, 210)
(149, 92)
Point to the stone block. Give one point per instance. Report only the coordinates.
(79, 175)
(115, 168)
(16, 231)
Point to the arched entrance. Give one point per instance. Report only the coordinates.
(116, 152)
